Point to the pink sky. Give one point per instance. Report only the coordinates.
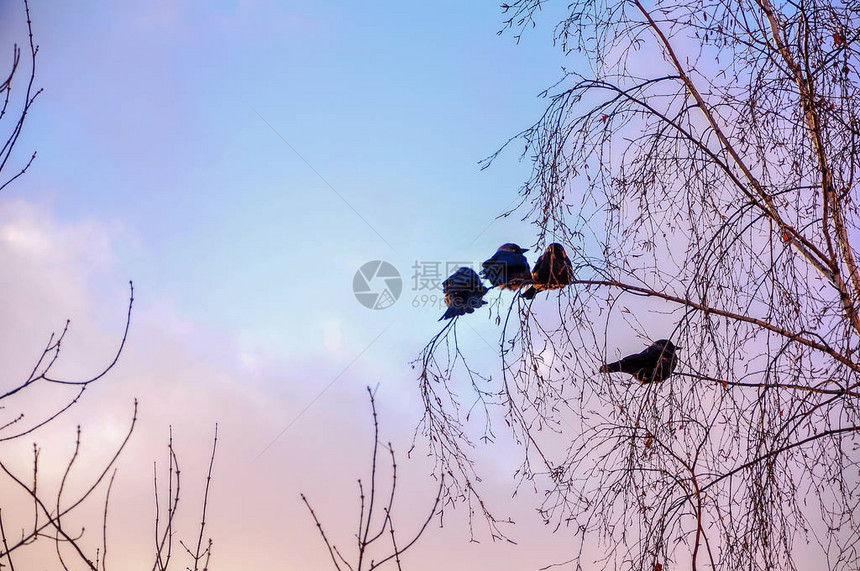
(191, 377)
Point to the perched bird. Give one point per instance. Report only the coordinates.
(463, 291)
(508, 268)
(652, 365)
(552, 270)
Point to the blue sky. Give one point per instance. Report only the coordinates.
(153, 154)
(149, 120)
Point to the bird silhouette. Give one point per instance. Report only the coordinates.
(652, 365)
(508, 268)
(463, 291)
(552, 270)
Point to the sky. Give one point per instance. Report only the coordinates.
(239, 161)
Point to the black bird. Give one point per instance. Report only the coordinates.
(464, 291)
(508, 268)
(552, 270)
(652, 365)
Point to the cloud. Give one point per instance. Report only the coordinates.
(190, 376)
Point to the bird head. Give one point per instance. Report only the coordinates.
(666, 345)
(513, 248)
(462, 277)
(556, 250)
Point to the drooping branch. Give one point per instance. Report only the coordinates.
(682, 190)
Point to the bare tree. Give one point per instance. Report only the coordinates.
(52, 510)
(201, 551)
(698, 160)
(12, 111)
(55, 520)
(377, 544)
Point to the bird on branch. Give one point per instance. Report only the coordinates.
(652, 365)
(464, 292)
(552, 270)
(508, 268)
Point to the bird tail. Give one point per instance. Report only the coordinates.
(611, 368)
(530, 293)
(452, 313)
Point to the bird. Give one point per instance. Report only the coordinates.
(652, 365)
(463, 291)
(552, 270)
(508, 268)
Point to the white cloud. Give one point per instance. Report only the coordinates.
(190, 376)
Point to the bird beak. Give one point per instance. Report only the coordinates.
(523, 250)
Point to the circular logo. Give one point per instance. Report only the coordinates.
(377, 285)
